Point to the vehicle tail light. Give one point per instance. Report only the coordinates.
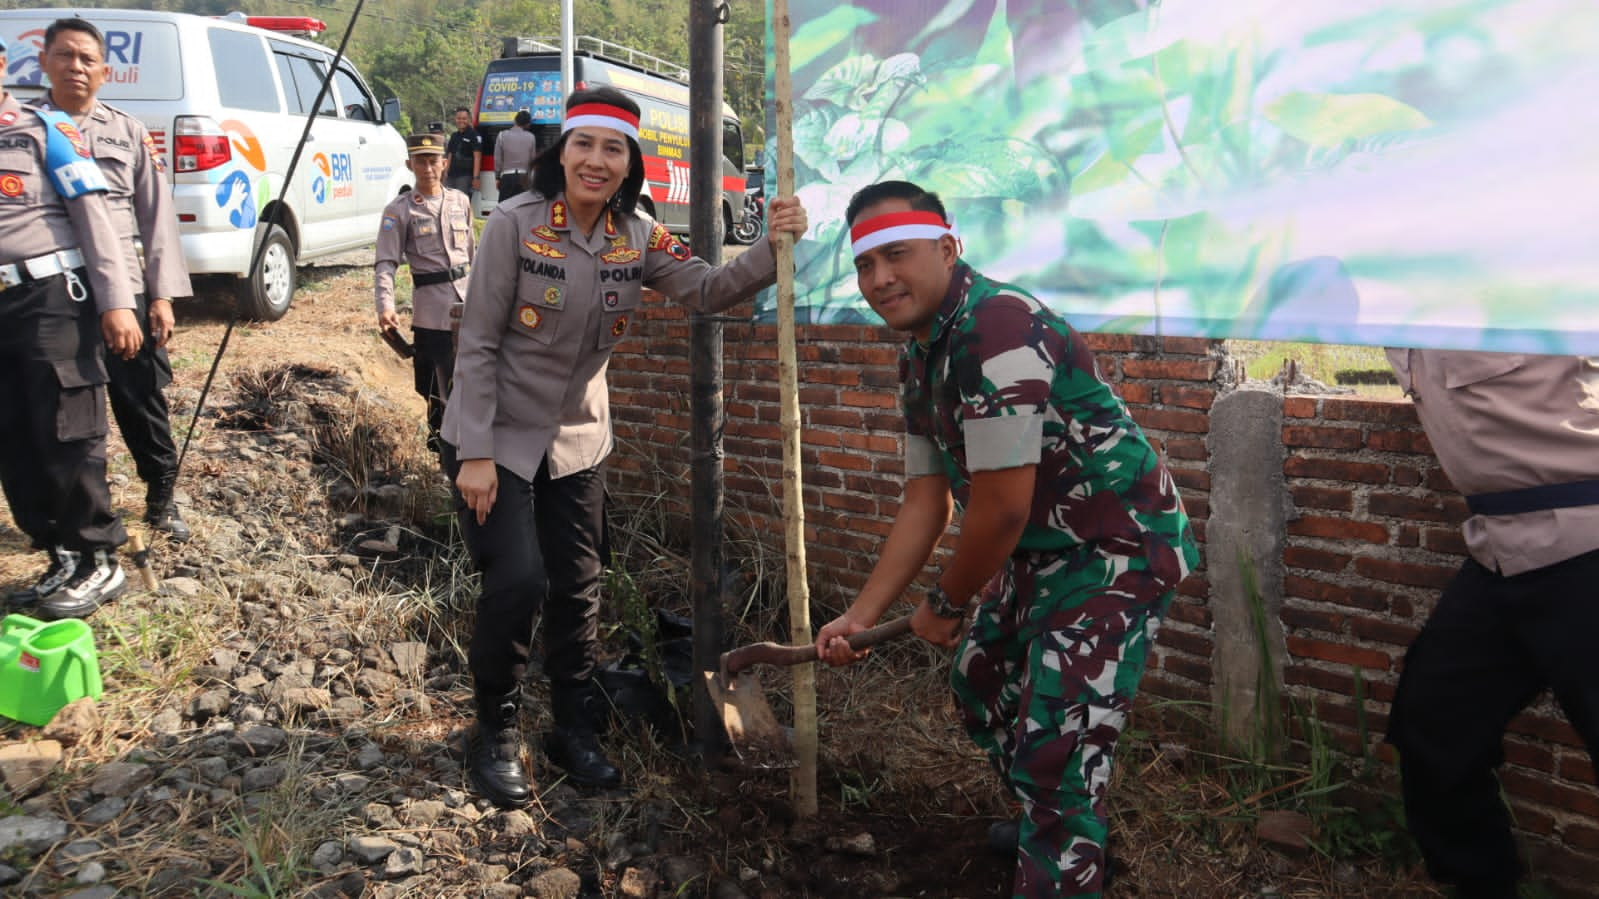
(199, 144)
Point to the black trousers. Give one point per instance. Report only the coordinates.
(139, 404)
(433, 366)
(511, 185)
(1491, 646)
(540, 549)
(53, 418)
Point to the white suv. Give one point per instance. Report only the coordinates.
(226, 100)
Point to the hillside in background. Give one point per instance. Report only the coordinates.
(431, 53)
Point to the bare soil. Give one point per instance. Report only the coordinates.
(905, 799)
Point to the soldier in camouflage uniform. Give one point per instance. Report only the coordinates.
(1072, 542)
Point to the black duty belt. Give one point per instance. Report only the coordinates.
(1535, 499)
(423, 279)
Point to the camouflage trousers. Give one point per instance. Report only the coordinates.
(1045, 678)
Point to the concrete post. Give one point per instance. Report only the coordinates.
(1248, 514)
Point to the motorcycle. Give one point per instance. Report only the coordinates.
(753, 224)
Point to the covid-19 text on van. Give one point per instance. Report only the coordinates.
(528, 76)
(226, 100)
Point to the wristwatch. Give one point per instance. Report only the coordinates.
(941, 605)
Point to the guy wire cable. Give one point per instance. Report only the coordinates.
(270, 223)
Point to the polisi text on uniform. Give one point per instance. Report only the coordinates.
(113, 141)
(16, 143)
(622, 274)
(542, 269)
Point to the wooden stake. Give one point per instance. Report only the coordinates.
(802, 782)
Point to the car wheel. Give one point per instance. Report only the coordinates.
(266, 295)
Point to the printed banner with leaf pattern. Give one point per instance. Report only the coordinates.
(1400, 172)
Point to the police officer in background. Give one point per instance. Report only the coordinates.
(141, 201)
(513, 155)
(64, 287)
(431, 229)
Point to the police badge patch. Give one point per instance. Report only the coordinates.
(620, 328)
(612, 299)
(529, 317)
(389, 223)
(552, 296)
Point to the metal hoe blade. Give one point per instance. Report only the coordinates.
(758, 740)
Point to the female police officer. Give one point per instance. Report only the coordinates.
(556, 285)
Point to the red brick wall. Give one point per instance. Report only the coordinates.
(1372, 536)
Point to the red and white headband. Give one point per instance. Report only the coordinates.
(869, 234)
(601, 115)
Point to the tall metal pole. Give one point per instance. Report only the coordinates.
(566, 48)
(705, 357)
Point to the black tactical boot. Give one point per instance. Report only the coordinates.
(97, 580)
(161, 510)
(494, 760)
(63, 564)
(574, 744)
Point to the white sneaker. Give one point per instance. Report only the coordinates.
(63, 565)
(98, 580)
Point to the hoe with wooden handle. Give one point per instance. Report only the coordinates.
(757, 738)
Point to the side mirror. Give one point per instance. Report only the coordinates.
(391, 110)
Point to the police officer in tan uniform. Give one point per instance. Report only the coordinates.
(1518, 435)
(431, 229)
(65, 299)
(513, 155)
(557, 284)
(141, 201)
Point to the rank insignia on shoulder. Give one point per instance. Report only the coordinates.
(620, 328)
(621, 256)
(545, 232)
(11, 185)
(539, 249)
(76, 136)
(389, 222)
(155, 153)
(558, 214)
(8, 119)
(552, 296)
(529, 317)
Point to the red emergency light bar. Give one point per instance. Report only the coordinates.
(291, 24)
(298, 26)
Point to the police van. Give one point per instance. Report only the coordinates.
(528, 76)
(226, 100)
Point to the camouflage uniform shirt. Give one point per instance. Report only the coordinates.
(1003, 382)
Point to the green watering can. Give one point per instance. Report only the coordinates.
(45, 666)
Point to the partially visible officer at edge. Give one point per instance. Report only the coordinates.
(1518, 436)
(429, 227)
(58, 251)
(141, 203)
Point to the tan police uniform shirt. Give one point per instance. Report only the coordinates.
(35, 220)
(141, 200)
(546, 306)
(513, 151)
(1499, 421)
(433, 234)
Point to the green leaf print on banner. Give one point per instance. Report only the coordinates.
(821, 35)
(1328, 120)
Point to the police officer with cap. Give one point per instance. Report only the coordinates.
(64, 288)
(141, 201)
(431, 229)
